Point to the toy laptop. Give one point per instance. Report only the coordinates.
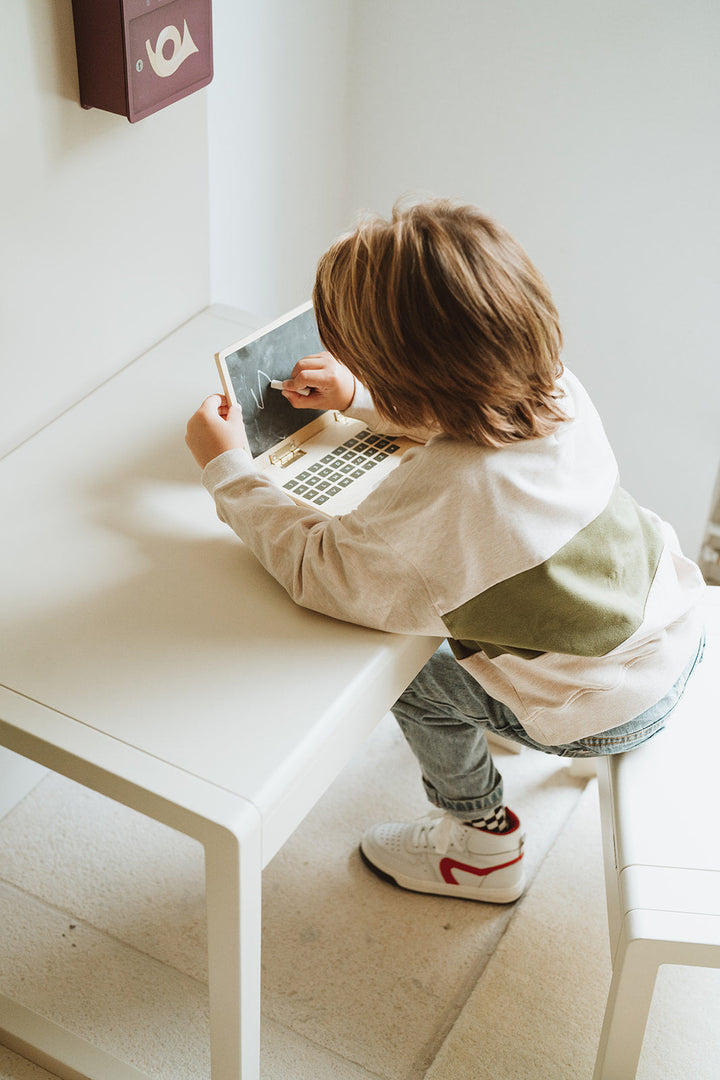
(321, 459)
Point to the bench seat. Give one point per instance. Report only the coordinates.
(660, 812)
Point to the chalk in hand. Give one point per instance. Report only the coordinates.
(278, 385)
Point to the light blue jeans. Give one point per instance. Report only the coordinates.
(443, 715)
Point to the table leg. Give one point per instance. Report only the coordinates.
(233, 897)
(626, 1012)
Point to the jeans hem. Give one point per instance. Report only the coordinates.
(463, 808)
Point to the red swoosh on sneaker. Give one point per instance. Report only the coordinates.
(447, 866)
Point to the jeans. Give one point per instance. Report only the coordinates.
(443, 715)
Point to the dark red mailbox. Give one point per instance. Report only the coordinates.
(137, 56)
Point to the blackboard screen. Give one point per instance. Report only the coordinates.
(271, 354)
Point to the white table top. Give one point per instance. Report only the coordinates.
(127, 606)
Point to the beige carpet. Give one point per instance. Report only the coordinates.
(103, 930)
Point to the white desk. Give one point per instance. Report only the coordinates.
(145, 654)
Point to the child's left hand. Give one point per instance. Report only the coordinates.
(215, 428)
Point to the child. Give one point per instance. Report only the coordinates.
(570, 612)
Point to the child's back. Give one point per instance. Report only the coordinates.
(570, 608)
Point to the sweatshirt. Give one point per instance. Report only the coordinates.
(561, 596)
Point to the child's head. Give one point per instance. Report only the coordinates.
(441, 314)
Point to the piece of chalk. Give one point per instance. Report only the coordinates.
(278, 385)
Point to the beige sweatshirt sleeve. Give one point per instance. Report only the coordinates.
(339, 566)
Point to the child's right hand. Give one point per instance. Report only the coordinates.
(330, 383)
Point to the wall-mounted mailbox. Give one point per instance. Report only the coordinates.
(137, 56)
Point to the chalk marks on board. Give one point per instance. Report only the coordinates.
(259, 398)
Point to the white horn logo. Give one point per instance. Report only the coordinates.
(165, 66)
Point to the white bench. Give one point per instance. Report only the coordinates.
(660, 811)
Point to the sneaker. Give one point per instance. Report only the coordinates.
(441, 855)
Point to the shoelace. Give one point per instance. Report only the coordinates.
(438, 830)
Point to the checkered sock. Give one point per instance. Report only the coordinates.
(494, 820)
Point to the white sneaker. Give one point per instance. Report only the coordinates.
(439, 854)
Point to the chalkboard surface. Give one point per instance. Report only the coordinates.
(269, 417)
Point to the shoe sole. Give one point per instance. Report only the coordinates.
(459, 892)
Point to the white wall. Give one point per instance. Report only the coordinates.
(103, 225)
(278, 147)
(591, 130)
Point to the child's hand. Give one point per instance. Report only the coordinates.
(330, 383)
(215, 428)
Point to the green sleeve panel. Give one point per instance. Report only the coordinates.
(584, 600)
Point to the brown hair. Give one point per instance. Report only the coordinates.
(441, 314)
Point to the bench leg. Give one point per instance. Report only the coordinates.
(233, 899)
(626, 1013)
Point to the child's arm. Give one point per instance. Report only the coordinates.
(332, 386)
(342, 566)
